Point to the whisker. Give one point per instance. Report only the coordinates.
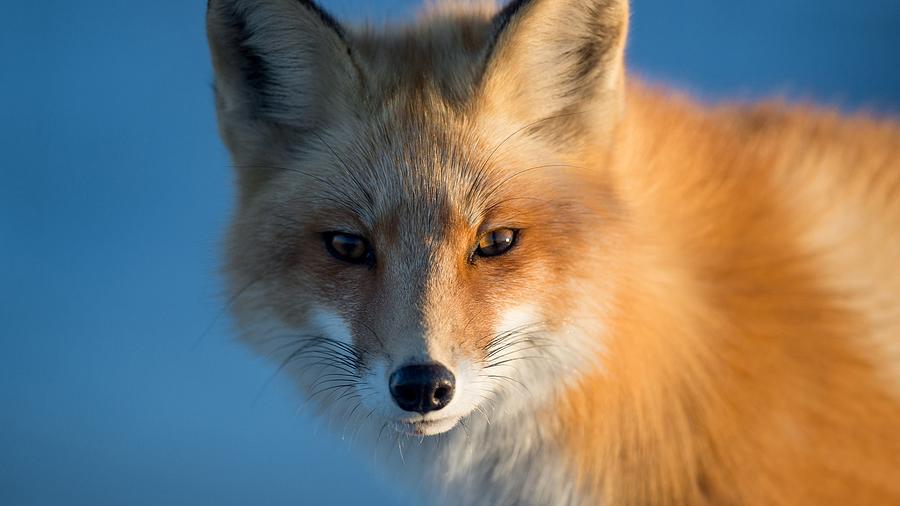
(465, 428)
(530, 339)
(329, 389)
(509, 360)
(512, 380)
(520, 350)
(500, 184)
(333, 381)
(483, 413)
(228, 305)
(374, 334)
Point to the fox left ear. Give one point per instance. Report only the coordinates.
(558, 65)
(279, 64)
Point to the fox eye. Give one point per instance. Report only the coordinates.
(497, 242)
(349, 248)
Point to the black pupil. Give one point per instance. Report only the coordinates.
(497, 242)
(349, 247)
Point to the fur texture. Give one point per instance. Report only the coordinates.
(701, 305)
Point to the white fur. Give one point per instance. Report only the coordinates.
(330, 324)
(492, 452)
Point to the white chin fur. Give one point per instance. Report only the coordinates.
(427, 428)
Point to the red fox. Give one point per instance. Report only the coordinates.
(476, 240)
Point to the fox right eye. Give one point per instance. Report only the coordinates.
(349, 248)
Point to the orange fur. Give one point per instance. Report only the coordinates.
(702, 305)
(742, 368)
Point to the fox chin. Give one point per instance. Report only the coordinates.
(476, 243)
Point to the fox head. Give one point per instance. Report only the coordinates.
(420, 209)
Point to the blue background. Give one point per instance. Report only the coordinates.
(114, 194)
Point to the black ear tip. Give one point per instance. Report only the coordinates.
(502, 20)
(513, 7)
(325, 17)
(508, 13)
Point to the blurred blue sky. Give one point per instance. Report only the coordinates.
(113, 197)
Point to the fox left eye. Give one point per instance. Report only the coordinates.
(497, 242)
(349, 248)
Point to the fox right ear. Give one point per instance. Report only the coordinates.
(557, 65)
(279, 63)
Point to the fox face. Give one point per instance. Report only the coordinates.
(423, 278)
(414, 230)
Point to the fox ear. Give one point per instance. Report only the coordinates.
(555, 64)
(279, 63)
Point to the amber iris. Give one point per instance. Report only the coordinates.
(497, 242)
(348, 248)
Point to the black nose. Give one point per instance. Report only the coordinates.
(422, 388)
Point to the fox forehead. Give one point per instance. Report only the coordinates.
(428, 171)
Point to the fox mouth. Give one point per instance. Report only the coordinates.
(425, 427)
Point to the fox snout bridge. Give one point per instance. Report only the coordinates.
(422, 388)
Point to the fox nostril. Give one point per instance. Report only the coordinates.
(422, 388)
(441, 393)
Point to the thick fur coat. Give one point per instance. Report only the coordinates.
(700, 305)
